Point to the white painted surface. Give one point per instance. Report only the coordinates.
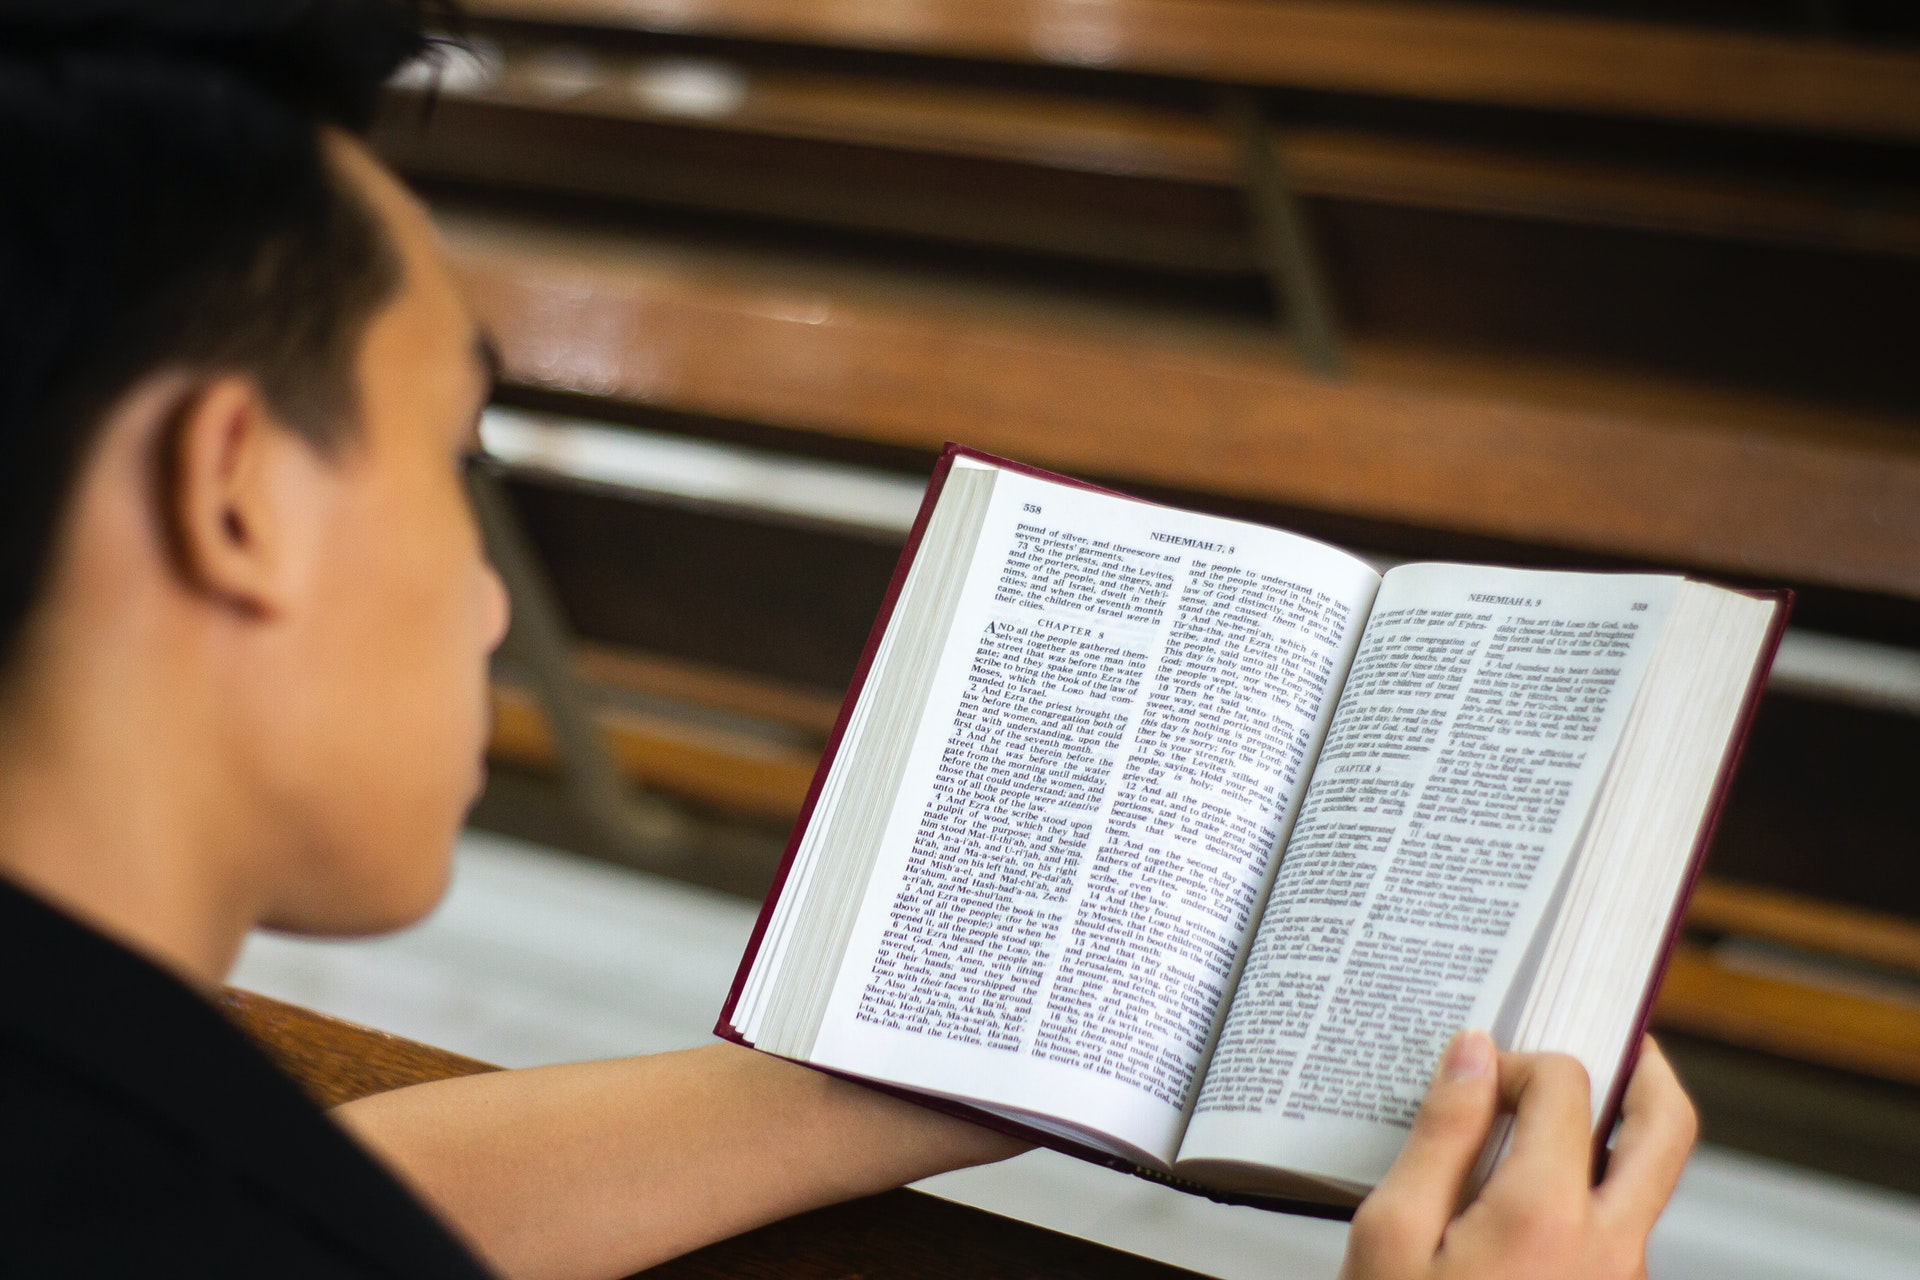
(1881, 677)
(653, 463)
(539, 956)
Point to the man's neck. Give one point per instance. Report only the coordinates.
(112, 809)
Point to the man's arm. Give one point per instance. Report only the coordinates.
(596, 1170)
(600, 1169)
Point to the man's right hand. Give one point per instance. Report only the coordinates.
(1538, 1216)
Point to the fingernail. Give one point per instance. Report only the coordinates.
(1469, 1057)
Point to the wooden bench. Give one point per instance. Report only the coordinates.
(1061, 132)
(1479, 54)
(726, 767)
(546, 115)
(904, 1234)
(1630, 468)
(1781, 998)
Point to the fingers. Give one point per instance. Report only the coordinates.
(1409, 1210)
(1552, 1149)
(1537, 1215)
(1657, 1130)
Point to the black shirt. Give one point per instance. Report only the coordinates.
(142, 1135)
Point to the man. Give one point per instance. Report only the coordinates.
(244, 624)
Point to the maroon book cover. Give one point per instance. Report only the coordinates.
(726, 1029)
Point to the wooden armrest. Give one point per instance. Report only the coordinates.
(903, 1234)
(337, 1061)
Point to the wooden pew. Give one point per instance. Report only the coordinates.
(1869, 937)
(743, 773)
(1632, 468)
(1507, 182)
(1462, 53)
(336, 1062)
(527, 121)
(902, 1233)
(1826, 983)
(1803, 1019)
(557, 111)
(1023, 125)
(807, 711)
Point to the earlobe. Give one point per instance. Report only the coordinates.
(223, 497)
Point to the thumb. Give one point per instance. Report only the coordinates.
(1416, 1200)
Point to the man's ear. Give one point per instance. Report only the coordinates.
(231, 496)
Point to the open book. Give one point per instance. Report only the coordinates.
(1184, 844)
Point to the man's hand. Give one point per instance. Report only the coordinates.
(1537, 1216)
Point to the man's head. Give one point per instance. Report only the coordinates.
(237, 386)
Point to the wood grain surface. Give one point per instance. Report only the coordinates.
(337, 1061)
(1812, 1019)
(734, 771)
(1103, 136)
(1638, 469)
(1448, 52)
(902, 1234)
(804, 709)
(1791, 919)
(906, 1235)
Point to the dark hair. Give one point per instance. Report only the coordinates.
(165, 200)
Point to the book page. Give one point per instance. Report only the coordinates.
(1476, 725)
(1120, 730)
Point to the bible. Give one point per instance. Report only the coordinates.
(1184, 844)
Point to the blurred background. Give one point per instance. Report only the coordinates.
(1592, 285)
